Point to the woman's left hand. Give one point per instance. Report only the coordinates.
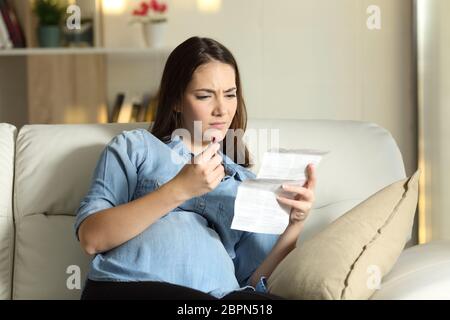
(303, 199)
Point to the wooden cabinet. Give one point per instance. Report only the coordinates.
(67, 88)
(61, 85)
(70, 84)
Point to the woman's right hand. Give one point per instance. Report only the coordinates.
(202, 175)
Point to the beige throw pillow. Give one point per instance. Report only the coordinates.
(348, 259)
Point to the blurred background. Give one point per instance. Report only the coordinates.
(382, 61)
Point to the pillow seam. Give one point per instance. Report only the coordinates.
(376, 236)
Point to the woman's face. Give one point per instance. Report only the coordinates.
(211, 99)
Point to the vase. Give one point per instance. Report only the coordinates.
(49, 36)
(154, 34)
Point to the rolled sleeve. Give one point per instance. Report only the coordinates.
(261, 286)
(115, 176)
(251, 250)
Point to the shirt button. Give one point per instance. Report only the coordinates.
(201, 204)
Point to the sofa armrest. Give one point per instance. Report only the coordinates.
(421, 272)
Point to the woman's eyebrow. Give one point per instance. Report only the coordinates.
(212, 91)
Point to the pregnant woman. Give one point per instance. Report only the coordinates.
(158, 212)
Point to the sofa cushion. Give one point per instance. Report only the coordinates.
(421, 273)
(54, 165)
(7, 145)
(349, 258)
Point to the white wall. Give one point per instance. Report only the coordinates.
(306, 59)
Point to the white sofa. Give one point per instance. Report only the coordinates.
(46, 170)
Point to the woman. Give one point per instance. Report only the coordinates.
(157, 216)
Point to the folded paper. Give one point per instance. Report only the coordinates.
(256, 207)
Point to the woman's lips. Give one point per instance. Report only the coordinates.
(218, 125)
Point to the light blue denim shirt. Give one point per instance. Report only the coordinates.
(192, 245)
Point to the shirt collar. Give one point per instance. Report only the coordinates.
(177, 145)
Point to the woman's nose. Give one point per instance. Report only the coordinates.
(220, 106)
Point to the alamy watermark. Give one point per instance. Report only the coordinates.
(374, 20)
(73, 21)
(260, 140)
(73, 281)
(375, 277)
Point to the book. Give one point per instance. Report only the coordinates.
(145, 104)
(5, 40)
(135, 107)
(12, 23)
(117, 106)
(6, 20)
(125, 112)
(151, 110)
(129, 110)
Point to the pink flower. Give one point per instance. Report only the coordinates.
(163, 8)
(158, 7)
(146, 9)
(143, 10)
(138, 13)
(154, 5)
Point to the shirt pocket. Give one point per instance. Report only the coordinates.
(146, 186)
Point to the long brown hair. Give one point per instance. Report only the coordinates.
(178, 71)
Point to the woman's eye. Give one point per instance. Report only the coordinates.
(205, 97)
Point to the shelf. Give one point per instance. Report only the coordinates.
(77, 51)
